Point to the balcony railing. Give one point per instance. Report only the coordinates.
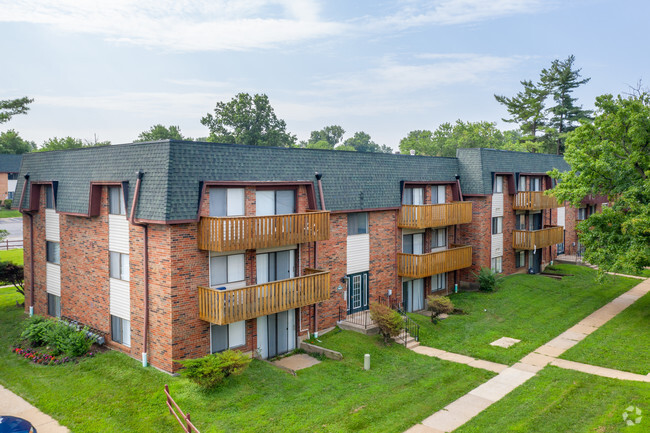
(252, 232)
(534, 200)
(529, 240)
(425, 265)
(228, 306)
(435, 215)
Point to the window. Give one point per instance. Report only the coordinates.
(275, 202)
(115, 201)
(119, 266)
(522, 183)
(413, 196)
(582, 213)
(498, 184)
(10, 195)
(53, 254)
(439, 282)
(224, 337)
(226, 269)
(49, 197)
(438, 238)
(227, 202)
(497, 264)
(12, 176)
(121, 330)
(53, 305)
(497, 225)
(438, 194)
(520, 259)
(520, 221)
(535, 184)
(357, 223)
(279, 265)
(412, 243)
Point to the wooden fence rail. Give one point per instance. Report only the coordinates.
(11, 244)
(534, 200)
(252, 232)
(182, 418)
(530, 240)
(425, 265)
(435, 215)
(223, 306)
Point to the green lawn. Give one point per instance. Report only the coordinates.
(531, 308)
(622, 343)
(112, 393)
(15, 256)
(559, 400)
(9, 213)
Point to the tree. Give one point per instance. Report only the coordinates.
(247, 120)
(160, 132)
(66, 143)
(361, 142)
(11, 107)
(13, 274)
(611, 157)
(332, 135)
(559, 81)
(526, 108)
(12, 143)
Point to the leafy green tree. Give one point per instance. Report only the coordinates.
(361, 142)
(160, 132)
(611, 157)
(11, 107)
(345, 148)
(13, 274)
(12, 143)
(560, 80)
(248, 120)
(526, 108)
(422, 141)
(322, 144)
(332, 135)
(66, 143)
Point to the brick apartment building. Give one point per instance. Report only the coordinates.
(178, 249)
(9, 168)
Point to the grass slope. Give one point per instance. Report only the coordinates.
(14, 256)
(531, 308)
(559, 400)
(8, 213)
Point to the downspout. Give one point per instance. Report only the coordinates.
(31, 245)
(322, 206)
(145, 333)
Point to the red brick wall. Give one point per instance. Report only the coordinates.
(478, 234)
(332, 256)
(385, 242)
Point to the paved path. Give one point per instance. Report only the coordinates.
(461, 359)
(11, 404)
(480, 398)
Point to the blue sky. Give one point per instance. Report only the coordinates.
(385, 67)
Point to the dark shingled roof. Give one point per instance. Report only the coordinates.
(477, 165)
(10, 163)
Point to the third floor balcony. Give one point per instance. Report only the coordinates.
(435, 215)
(534, 200)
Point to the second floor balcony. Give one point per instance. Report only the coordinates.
(435, 215)
(253, 232)
(426, 265)
(222, 307)
(534, 200)
(535, 239)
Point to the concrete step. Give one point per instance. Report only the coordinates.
(412, 344)
(371, 330)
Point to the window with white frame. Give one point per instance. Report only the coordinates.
(274, 266)
(49, 197)
(121, 330)
(53, 305)
(414, 196)
(497, 264)
(438, 194)
(226, 269)
(227, 202)
(520, 221)
(439, 282)
(413, 243)
(438, 238)
(497, 225)
(229, 336)
(498, 184)
(115, 201)
(535, 184)
(275, 202)
(582, 213)
(357, 223)
(520, 259)
(119, 266)
(522, 184)
(52, 252)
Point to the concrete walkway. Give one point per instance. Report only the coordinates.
(11, 404)
(480, 398)
(461, 359)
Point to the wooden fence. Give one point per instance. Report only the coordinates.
(425, 265)
(435, 215)
(529, 240)
(534, 200)
(182, 418)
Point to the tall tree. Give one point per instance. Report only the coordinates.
(611, 157)
(66, 143)
(361, 142)
(332, 135)
(160, 132)
(11, 107)
(12, 143)
(248, 120)
(526, 108)
(560, 80)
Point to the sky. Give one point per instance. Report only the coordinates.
(112, 69)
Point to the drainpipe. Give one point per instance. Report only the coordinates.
(31, 245)
(145, 333)
(322, 205)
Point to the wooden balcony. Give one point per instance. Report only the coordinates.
(425, 265)
(228, 306)
(529, 240)
(252, 232)
(534, 200)
(435, 215)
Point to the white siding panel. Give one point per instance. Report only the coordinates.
(497, 245)
(53, 278)
(358, 253)
(118, 234)
(11, 185)
(561, 216)
(120, 298)
(497, 205)
(52, 225)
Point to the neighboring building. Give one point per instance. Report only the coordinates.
(178, 249)
(9, 168)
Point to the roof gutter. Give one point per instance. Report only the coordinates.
(31, 245)
(145, 254)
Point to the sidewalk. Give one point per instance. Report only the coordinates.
(11, 404)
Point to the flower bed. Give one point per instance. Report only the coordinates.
(44, 358)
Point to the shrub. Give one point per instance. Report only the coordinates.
(7, 203)
(76, 343)
(389, 321)
(488, 280)
(439, 305)
(36, 330)
(211, 370)
(60, 337)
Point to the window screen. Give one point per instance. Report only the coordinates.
(357, 223)
(119, 266)
(498, 184)
(438, 238)
(413, 196)
(497, 225)
(227, 202)
(53, 305)
(115, 202)
(53, 253)
(226, 269)
(49, 197)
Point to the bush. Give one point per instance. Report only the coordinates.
(211, 370)
(389, 321)
(7, 203)
(488, 280)
(439, 305)
(76, 343)
(36, 330)
(60, 337)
